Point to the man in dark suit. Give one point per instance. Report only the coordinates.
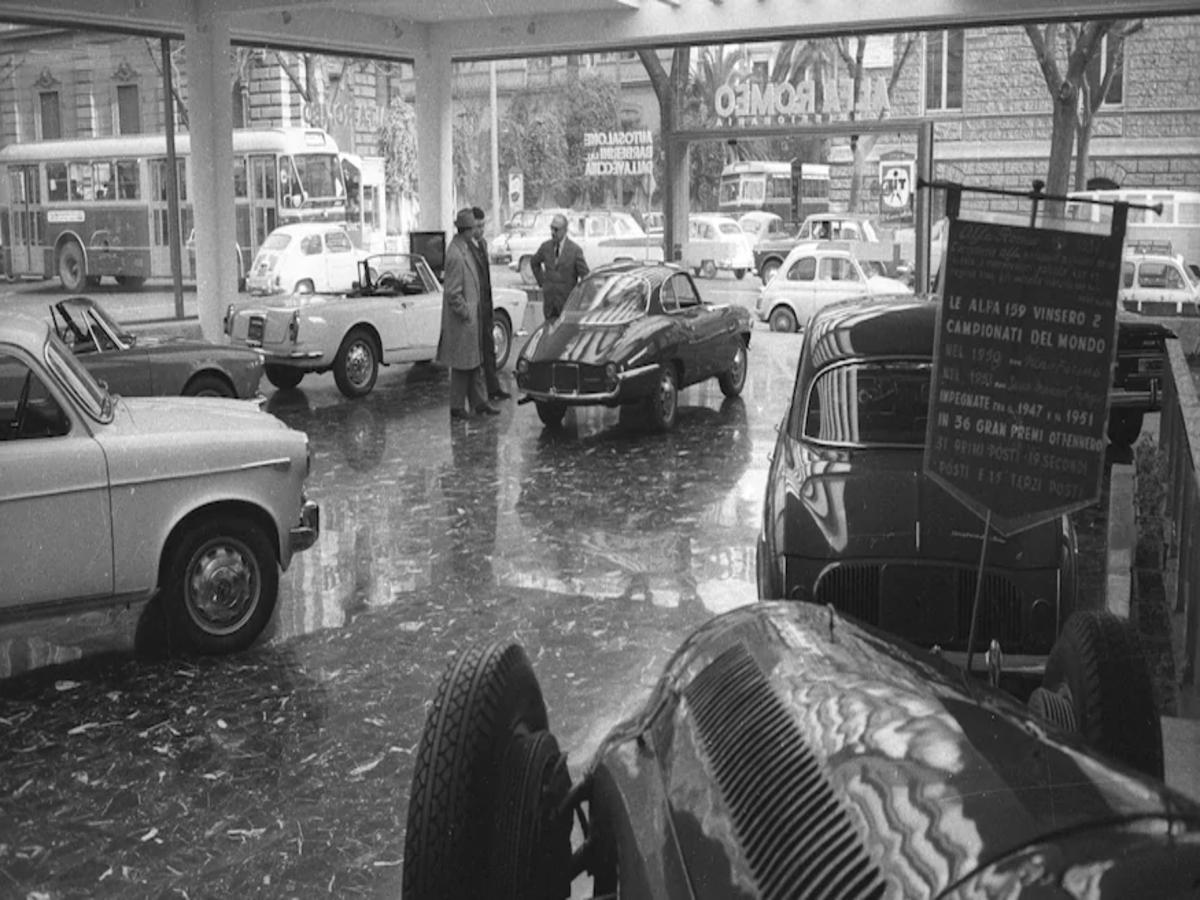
(558, 266)
(487, 346)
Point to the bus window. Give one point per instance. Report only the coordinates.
(80, 177)
(56, 181)
(127, 180)
(102, 178)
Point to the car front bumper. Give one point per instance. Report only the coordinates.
(632, 385)
(304, 535)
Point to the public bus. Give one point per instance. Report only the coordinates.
(792, 190)
(1174, 231)
(85, 208)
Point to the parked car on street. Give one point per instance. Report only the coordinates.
(1137, 377)
(1158, 284)
(814, 275)
(789, 751)
(850, 519)
(305, 258)
(192, 503)
(717, 243)
(393, 315)
(633, 333)
(604, 235)
(770, 252)
(763, 226)
(140, 366)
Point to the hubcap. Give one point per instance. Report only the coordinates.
(499, 340)
(737, 371)
(222, 589)
(666, 398)
(358, 364)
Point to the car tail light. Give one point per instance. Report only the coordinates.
(293, 330)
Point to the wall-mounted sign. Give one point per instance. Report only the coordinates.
(784, 104)
(627, 152)
(516, 191)
(897, 179)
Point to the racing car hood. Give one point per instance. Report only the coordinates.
(785, 746)
(877, 504)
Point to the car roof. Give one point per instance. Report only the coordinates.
(821, 248)
(21, 328)
(885, 325)
(654, 272)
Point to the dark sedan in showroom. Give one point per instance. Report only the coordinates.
(136, 365)
(787, 751)
(633, 333)
(850, 520)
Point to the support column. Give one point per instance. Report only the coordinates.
(210, 166)
(435, 117)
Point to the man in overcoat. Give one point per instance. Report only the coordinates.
(459, 343)
(487, 344)
(558, 266)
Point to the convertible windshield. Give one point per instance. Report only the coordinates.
(623, 295)
(71, 372)
(869, 403)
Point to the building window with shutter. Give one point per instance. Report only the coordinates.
(129, 109)
(49, 117)
(944, 70)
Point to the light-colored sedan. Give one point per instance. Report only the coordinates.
(193, 503)
(394, 315)
(1158, 284)
(813, 275)
(305, 258)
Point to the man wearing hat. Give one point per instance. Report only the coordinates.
(459, 344)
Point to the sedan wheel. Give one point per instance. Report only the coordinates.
(733, 379)
(768, 270)
(283, 377)
(304, 287)
(222, 581)
(207, 385)
(501, 339)
(551, 413)
(356, 365)
(663, 405)
(783, 319)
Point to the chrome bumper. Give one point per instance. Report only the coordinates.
(304, 535)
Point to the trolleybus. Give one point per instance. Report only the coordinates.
(791, 190)
(84, 209)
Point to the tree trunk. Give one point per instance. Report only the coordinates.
(1083, 148)
(1062, 142)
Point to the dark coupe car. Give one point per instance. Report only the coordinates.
(850, 520)
(633, 333)
(140, 366)
(789, 752)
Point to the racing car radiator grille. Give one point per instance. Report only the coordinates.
(798, 839)
(859, 589)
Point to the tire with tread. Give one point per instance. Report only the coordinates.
(283, 377)
(783, 319)
(487, 696)
(220, 583)
(72, 270)
(356, 365)
(1098, 664)
(550, 413)
(501, 338)
(768, 269)
(662, 406)
(531, 831)
(733, 379)
(207, 384)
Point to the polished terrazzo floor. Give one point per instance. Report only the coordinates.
(284, 771)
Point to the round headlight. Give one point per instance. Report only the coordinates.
(522, 366)
(610, 375)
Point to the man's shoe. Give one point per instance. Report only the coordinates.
(460, 414)
(499, 394)
(487, 410)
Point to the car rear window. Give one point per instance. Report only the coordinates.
(868, 403)
(276, 241)
(618, 297)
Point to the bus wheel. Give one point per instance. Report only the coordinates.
(71, 270)
(132, 282)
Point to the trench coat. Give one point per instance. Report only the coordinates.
(458, 345)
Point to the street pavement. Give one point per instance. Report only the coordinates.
(284, 771)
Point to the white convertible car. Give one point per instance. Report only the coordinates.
(195, 503)
(393, 315)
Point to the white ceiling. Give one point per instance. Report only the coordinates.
(481, 28)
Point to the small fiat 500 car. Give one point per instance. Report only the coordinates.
(192, 503)
(813, 275)
(139, 366)
(633, 333)
(851, 521)
(305, 258)
(787, 751)
(717, 243)
(393, 315)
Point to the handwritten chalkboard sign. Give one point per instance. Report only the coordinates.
(1024, 351)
